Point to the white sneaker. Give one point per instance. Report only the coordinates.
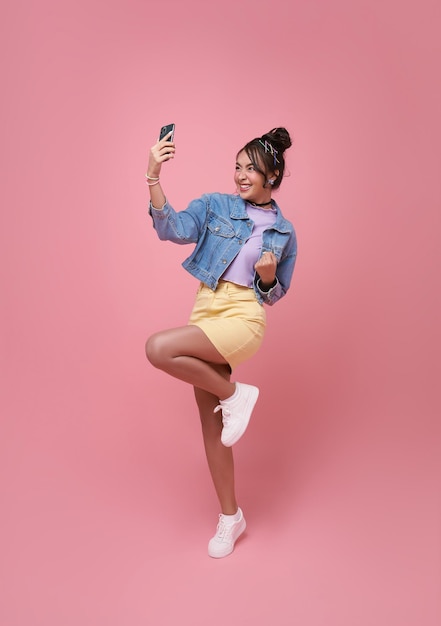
(227, 533)
(236, 413)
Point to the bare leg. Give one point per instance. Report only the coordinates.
(187, 353)
(220, 458)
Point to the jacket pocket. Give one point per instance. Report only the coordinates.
(219, 226)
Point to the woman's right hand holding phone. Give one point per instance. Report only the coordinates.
(163, 150)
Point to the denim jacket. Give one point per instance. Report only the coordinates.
(219, 226)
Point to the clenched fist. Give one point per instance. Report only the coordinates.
(266, 268)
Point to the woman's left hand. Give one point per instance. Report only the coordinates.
(266, 268)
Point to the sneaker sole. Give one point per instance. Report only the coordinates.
(252, 399)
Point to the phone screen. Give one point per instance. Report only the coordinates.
(165, 130)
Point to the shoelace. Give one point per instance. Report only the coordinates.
(226, 413)
(223, 530)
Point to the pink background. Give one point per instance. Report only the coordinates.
(107, 506)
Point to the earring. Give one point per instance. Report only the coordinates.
(271, 181)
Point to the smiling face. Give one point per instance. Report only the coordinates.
(250, 182)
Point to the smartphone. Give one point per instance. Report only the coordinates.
(165, 130)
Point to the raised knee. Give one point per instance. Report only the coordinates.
(153, 350)
(159, 350)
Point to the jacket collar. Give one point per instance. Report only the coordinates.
(238, 211)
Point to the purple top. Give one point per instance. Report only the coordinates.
(241, 271)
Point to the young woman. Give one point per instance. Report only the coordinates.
(244, 257)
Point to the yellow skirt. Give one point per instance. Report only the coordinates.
(231, 318)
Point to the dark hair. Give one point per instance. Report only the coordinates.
(268, 151)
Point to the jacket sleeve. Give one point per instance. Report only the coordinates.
(180, 227)
(285, 269)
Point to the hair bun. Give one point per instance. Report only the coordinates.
(279, 138)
